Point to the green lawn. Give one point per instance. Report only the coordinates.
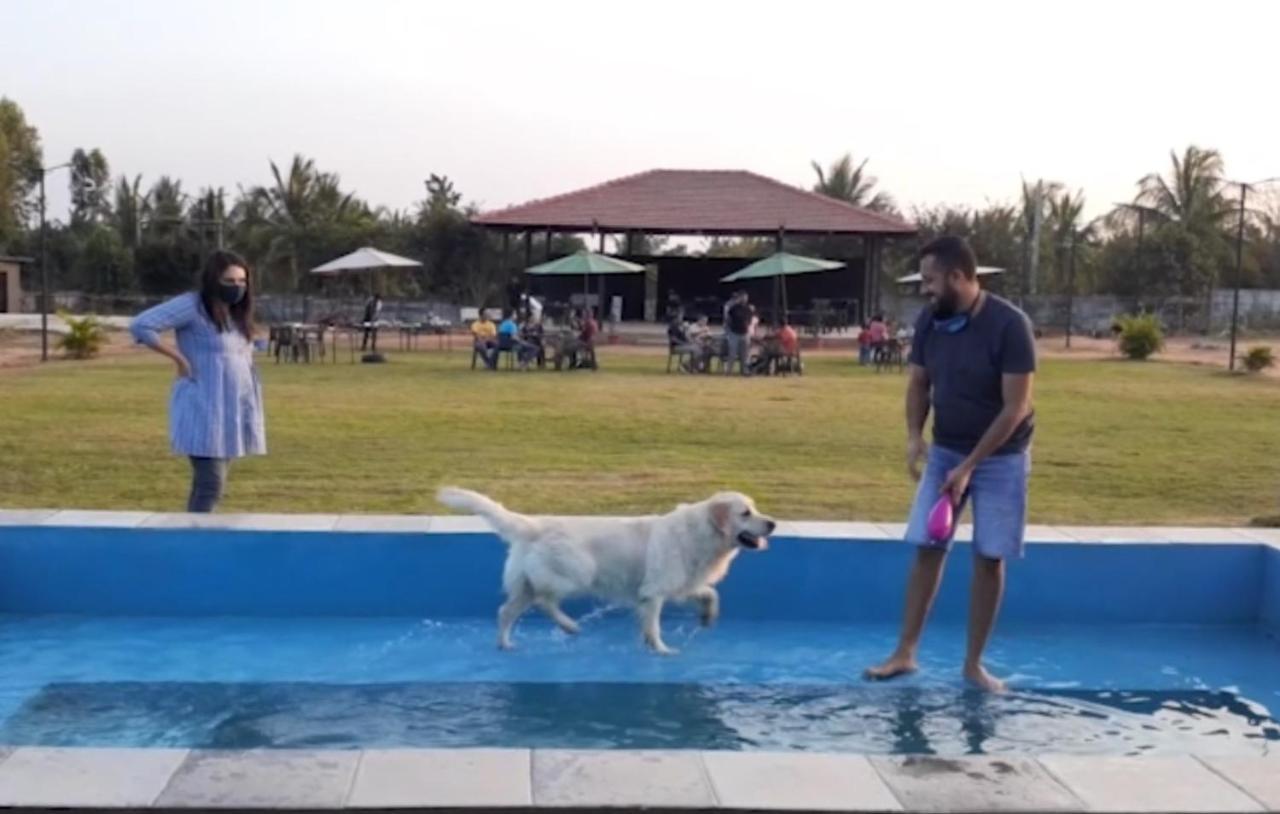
(1117, 442)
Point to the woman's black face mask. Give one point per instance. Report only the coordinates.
(231, 294)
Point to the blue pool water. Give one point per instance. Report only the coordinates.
(240, 683)
(237, 640)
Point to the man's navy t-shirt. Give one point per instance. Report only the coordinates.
(965, 371)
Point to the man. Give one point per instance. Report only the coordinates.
(372, 310)
(972, 360)
(485, 336)
(587, 340)
(737, 333)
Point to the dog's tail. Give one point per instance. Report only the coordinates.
(509, 525)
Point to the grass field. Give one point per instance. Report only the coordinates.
(1117, 442)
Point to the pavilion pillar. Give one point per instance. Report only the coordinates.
(868, 275)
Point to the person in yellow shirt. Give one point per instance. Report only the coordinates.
(485, 334)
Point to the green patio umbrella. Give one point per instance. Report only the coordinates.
(780, 266)
(586, 263)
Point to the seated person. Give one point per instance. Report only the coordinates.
(485, 337)
(789, 345)
(700, 331)
(534, 339)
(768, 352)
(679, 342)
(569, 342)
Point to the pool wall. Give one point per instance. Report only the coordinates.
(1270, 612)
(135, 564)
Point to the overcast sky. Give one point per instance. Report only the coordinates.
(952, 101)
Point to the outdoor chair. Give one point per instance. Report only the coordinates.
(680, 355)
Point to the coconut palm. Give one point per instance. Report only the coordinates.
(130, 209)
(1191, 194)
(852, 184)
(294, 210)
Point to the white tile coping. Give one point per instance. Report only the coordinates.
(464, 524)
(520, 779)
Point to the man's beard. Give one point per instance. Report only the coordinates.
(944, 305)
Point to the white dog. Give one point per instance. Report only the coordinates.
(641, 561)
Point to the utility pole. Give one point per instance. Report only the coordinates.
(1235, 289)
(44, 268)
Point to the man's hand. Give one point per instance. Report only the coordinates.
(957, 482)
(917, 451)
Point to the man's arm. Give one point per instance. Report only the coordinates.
(1016, 390)
(917, 412)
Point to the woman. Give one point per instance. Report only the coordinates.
(215, 409)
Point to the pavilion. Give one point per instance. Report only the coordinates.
(722, 203)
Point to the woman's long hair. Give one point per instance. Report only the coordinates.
(223, 315)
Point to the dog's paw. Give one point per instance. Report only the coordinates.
(661, 649)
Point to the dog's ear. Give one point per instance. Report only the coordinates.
(720, 511)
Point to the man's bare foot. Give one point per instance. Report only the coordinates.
(897, 665)
(978, 676)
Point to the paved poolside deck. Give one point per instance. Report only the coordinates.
(520, 780)
(90, 779)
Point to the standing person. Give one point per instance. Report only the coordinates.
(972, 361)
(675, 309)
(215, 409)
(737, 333)
(372, 310)
(864, 344)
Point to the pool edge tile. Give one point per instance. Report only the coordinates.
(924, 783)
(25, 517)
(92, 518)
(622, 778)
(385, 523)
(73, 778)
(242, 522)
(830, 530)
(442, 778)
(262, 779)
(1256, 776)
(460, 524)
(797, 781)
(1114, 784)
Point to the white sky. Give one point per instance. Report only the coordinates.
(952, 101)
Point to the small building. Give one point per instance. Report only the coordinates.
(11, 283)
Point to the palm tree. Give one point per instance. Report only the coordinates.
(1035, 201)
(1065, 229)
(851, 184)
(1190, 198)
(130, 208)
(292, 208)
(1191, 193)
(168, 206)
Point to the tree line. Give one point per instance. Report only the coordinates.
(127, 234)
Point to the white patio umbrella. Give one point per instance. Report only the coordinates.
(365, 259)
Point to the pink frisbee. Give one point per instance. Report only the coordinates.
(942, 520)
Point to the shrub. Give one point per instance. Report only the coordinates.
(1140, 335)
(1258, 359)
(85, 337)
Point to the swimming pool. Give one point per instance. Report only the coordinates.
(325, 632)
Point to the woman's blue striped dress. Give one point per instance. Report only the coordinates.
(217, 413)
